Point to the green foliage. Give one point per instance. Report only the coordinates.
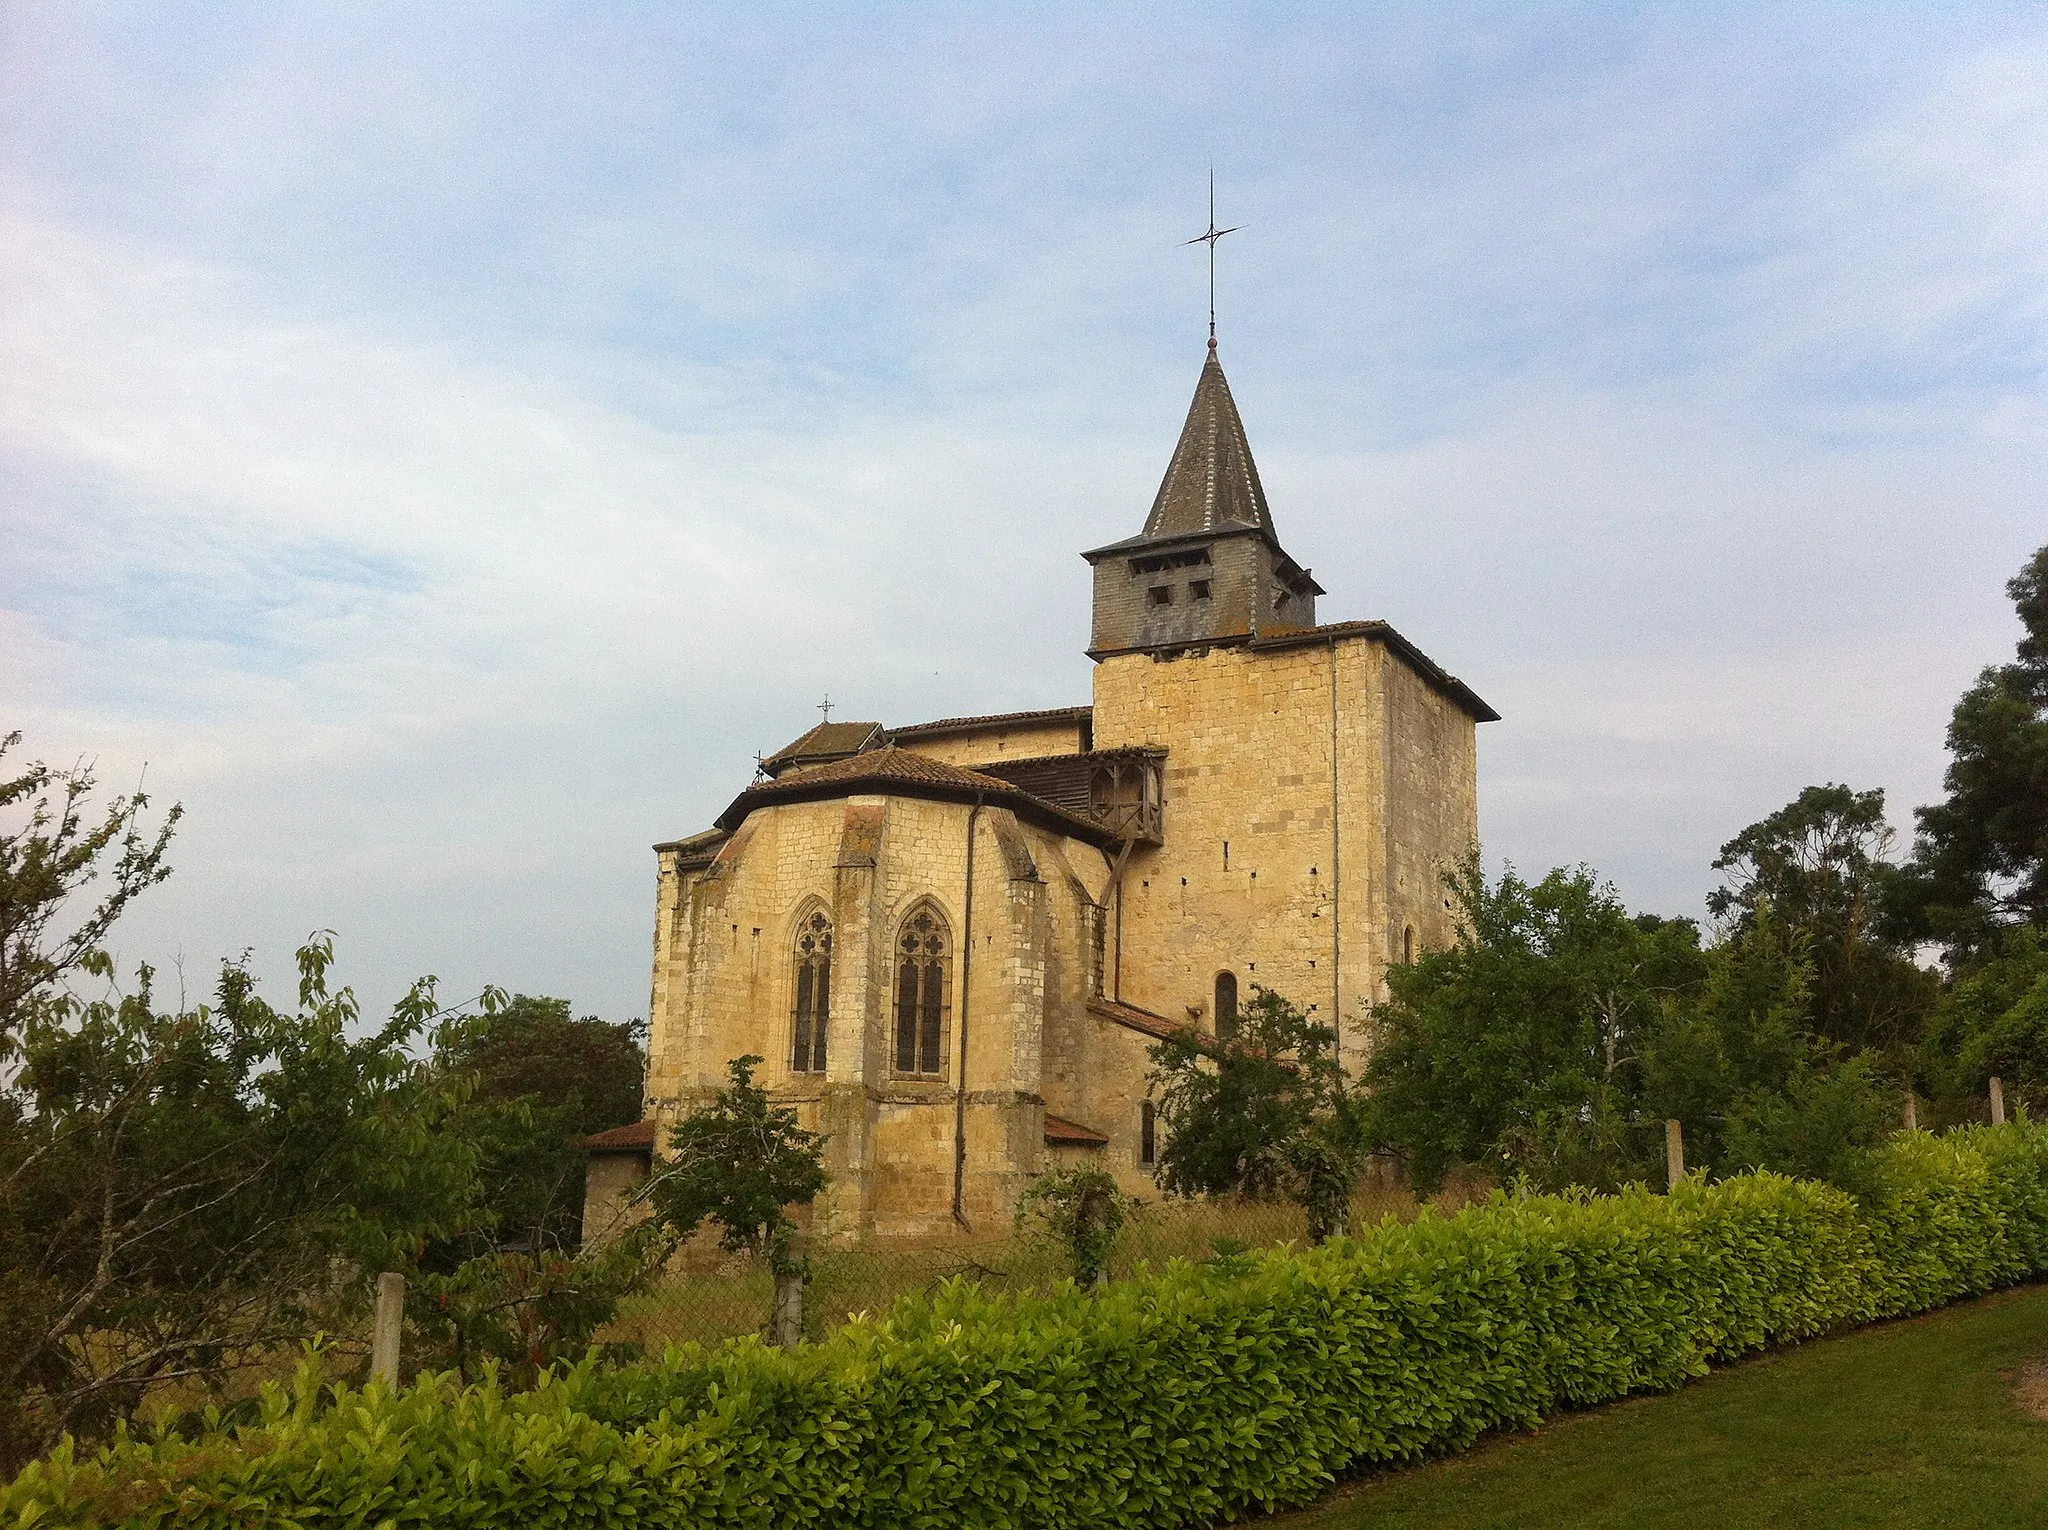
(179, 1193)
(541, 1080)
(1980, 861)
(51, 847)
(1084, 1210)
(739, 1162)
(518, 1313)
(1994, 1021)
(1823, 1121)
(1200, 1394)
(1553, 1042)
(1261, 1112)
(1521, 1048)
(1816, 868)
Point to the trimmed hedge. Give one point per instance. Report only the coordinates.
(1181, 1399)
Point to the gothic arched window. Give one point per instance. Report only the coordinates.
(1226, 1005)
(813, 1002)
(921, 983)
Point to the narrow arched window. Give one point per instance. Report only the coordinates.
(1148, 1136)
(921, 993)
(1408, 944)
(1226, 1005)
(813, 989)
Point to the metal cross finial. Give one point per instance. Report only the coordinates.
(1210, 239)
(825, 706)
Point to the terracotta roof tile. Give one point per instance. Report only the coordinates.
(901, 770)
(827, 741)
(637, 1137)
(1137, 1019)
(890, 763)
(1060, 1132)
(994, 720)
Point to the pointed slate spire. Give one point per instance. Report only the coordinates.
(1212, 482)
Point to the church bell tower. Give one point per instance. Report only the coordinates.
(1208, 568)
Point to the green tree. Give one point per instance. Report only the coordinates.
(53, 844)
(742, 1162)
(1556, 1038)
(1993, 1020)
(1520, 1048)
(1819, 866)
(181, 1194)
(1980, 861)
(1259, 1113)
(540, 1080)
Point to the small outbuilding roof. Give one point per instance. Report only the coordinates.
(1060, 1132)
(636, 1137)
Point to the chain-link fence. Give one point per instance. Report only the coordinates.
(708, 1298)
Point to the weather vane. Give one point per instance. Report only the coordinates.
(825, 706)
(1210, 239)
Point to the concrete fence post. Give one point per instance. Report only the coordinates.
(1674, 1154)
(789, 1308)
(390, 1325)
(1997, 1100)
(1912, 1112)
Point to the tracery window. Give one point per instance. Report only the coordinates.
(922, 951)
(813, 993)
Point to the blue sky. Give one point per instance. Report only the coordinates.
(444, 443)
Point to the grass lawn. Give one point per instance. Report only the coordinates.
(1911, 1423)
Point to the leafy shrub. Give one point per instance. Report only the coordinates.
(1183, 1398)
(1085, 1211)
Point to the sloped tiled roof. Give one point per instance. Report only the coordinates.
(1060, 1132)
(901, 771)
(995, 720)
(827, 741)
(1137, 1019)
(637, 1137)
(1211, 481)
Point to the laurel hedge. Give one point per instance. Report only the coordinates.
(1184, 1398)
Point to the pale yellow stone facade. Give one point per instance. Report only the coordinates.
(1274, 803)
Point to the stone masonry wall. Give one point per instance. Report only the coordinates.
(1432, 809)
(1269, 871)
(1027, 741)
(724, 984)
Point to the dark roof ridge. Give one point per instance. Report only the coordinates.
(1432, 672)
(993, 720)
(892, 769)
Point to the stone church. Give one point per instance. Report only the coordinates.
(954, 941)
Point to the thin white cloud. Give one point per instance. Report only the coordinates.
(446, 476)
